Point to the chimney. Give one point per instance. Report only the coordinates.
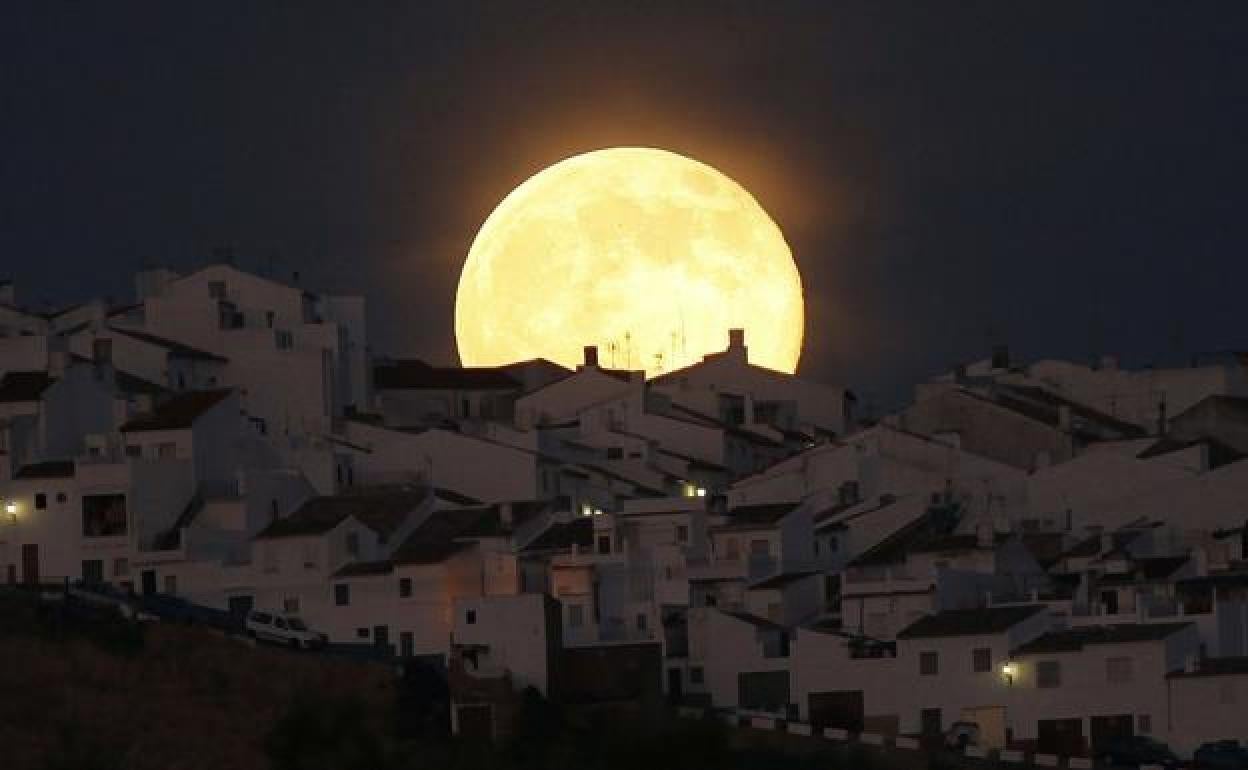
(1000, 357)
(591, 355)
(7, 294)
(736, 345)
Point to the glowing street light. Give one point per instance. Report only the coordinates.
(1008, 671)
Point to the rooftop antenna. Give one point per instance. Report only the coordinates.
(628, 350)
(612, 346)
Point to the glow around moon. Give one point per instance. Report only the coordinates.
(647, 254)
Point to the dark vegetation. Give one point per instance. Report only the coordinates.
(87, 690)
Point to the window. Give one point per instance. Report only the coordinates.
(642, 621)
(342, 594)
(407, 644)
(695, 675)
(604, 544)
(466, 408)
(405, 587)
(216, 289)
(353, 543)
(615, 453)
(1048, 674)
(284, 340)
(1117, 670)
(576, 616)
(41, 501)
(1144, 723)
(291, 604)
(268, 318)
(60, 497)
(166, 450)
(134, 450)
(930, 722)
(682, 533)
(929, 663)
(171, 585)
(470, 617)
(121, 567)
(834, 544)
(981, 660)
(362, 633)
(103, 515)
(92, 571)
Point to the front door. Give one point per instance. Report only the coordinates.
(991, 721)
(149, 581)
(1109, 727)
(1060, 736)
(30, 563)
(675, 686)
(842, 710)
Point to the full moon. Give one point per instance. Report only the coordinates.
(649, 255)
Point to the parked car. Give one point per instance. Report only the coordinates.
(962, 734)
(1221, 755)
(283, 629)
(1133, 751)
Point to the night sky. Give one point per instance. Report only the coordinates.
(1065, 177)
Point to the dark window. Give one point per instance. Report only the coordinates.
(642, 620)
(93, 571)
(1048, 674)
(467, 408)
(695, 675)
(615, 453)
(41, 501)
(353, 543)
(981, 659)
(134, 450)
(407, 646)
(361, 633)
(342, 594)
(216, 289)
(682, 533)
(60, 497)
(929, 663)
(604, 544)
(470, 617)
(405, 587)
(576, 616)
(930, 721)
(103, 515)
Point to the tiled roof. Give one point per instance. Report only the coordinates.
(565, 534)
(382, 510)
(51, 469)
(23, 386)
(1151, 569)
(414, 374)
(452, 523)
(179, 412)
(1236, 666)
(755, 620)
(176, 349)
(760, 516)
(976, 622)
(781, 580)
(1075, 639)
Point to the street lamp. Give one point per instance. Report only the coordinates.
(11, 508)
(1008, 672)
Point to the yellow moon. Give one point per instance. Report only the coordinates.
(649, 255)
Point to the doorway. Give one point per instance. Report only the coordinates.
(149, 582)
(675, 686)
(30, 563)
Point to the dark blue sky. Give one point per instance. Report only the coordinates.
(1065, 177)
